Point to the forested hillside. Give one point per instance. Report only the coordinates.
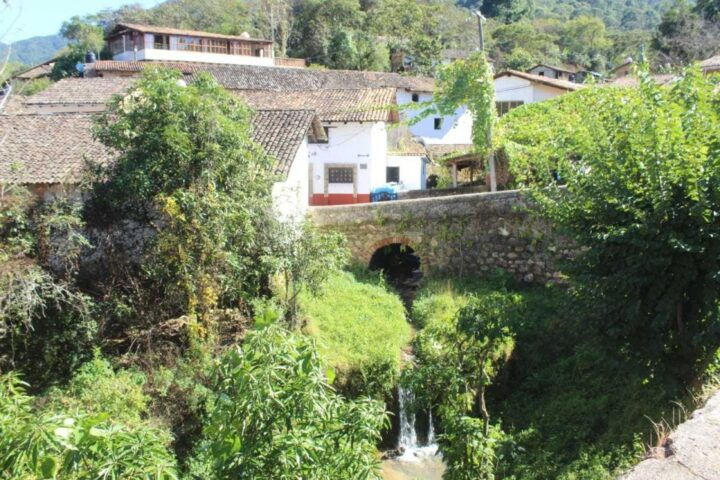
(362, 34)
(32, 51)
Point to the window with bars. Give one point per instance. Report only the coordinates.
(505, 107)
(392, 174)
(340, 175)
(217, 46)
(191, 44)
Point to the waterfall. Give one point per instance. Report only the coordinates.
(408, 437)
(431, 430)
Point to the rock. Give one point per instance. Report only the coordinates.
(693, 450)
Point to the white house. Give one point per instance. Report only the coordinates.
(351, 160)
(135, 42)
(513, 88)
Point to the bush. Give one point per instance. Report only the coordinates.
(43, 443)
(275, 416)
(641, 171)
(361, 330)
(96, 388)
(46, 327)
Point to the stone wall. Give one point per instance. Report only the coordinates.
(463, 234)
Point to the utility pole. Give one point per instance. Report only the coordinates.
(488, 137)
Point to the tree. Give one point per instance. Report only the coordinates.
(684, 36)
(466, 84)
(456, 362)
(306, 259)
(709, 9)
(187, 168)
(275, 416)
(641, 176)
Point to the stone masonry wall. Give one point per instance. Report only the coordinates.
(464, 234)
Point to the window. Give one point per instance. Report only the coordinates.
(217, 46)
(340, 175)
(505, 107)
(162, 42)
(327, 137)
(415, 97)
(192, 44)
(392, 174)
(541, 73)
(438, 123)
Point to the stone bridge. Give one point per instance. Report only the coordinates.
(474, 234)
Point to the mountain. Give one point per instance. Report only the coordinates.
(34, 50)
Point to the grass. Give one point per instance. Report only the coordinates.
(361, 330)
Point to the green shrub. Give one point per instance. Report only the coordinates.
(47, 328)
(97, 388)
(275, 416)
(641, 175)
(361, 330)
(43, 443)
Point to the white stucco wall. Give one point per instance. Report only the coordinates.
(516, 89)
(363, 145)
(290, 197)
(412, 171)
(456, 128)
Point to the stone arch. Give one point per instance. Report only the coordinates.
(401, 239)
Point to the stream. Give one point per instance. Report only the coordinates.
(415, 457)
(416, 460)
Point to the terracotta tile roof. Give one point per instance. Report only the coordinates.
(408, 148)
(252, 77)
(178, 31)
(76, 91)
(281, 132)
(37, 71)
(53, 148)
(711, 64)
(632, 81)
(46, 148)
(567, 68)
(366, 105)
(551, 82)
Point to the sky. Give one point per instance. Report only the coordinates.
(30, 18)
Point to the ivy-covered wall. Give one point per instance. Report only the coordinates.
(463, 234)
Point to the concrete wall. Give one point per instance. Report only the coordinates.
(412, 170)
(290, 197)
(516, 89)
(464, 234)
(456, 129)
(362, 146)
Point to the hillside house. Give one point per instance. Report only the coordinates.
(711, 65)
(570, 73)
(514, 88)
(135, 42)
(622, 70)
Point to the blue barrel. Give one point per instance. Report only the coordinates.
(384, 193)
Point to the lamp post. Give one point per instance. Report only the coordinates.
(491, 158)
